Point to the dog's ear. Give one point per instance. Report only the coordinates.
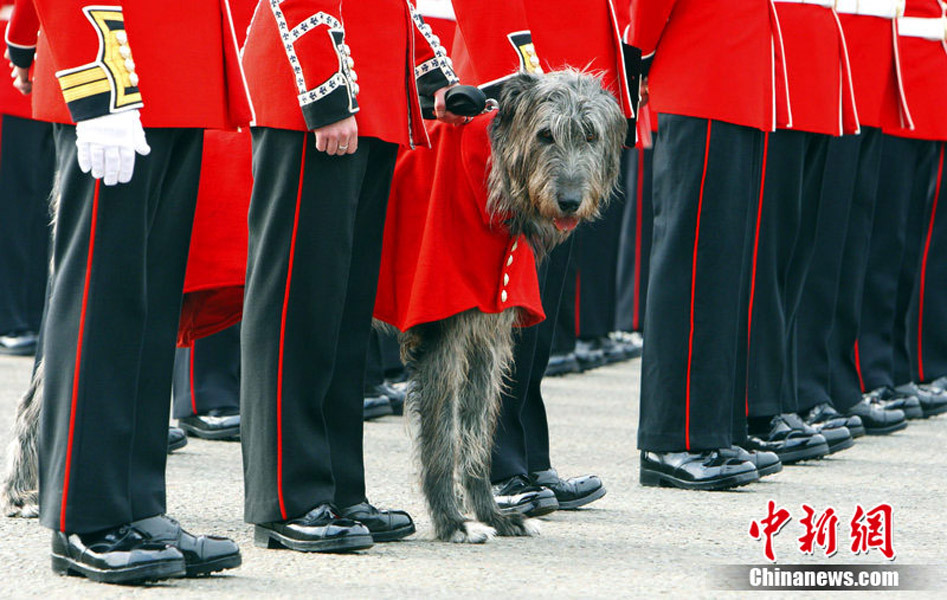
(513, 88)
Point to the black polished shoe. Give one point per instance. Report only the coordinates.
(631, 343)
(888, 398)
(789, 437)
(384, 525)
(710, 470)
(395, 396)
(119, 555)
(938, 384)
(766, 463)
(517, 494)
(570, 493)
(203, 554)
(319, 530)
(933, 400)
(588, 357)
(837, 437)
(177, 439)
(217, 424)
(825, 415)
(20, 343)
(375, 407)
(611, 351)
(562, 364)
(878, 421)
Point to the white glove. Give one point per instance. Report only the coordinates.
(107, 146)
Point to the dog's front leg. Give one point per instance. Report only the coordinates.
(436, 379)
(490, 354)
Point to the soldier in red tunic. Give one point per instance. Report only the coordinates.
(27, 163)
(335, 86)
(109, 75)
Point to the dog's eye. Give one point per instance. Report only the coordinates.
(545, 136)
(591, 137)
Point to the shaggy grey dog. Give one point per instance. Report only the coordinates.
(555, 158)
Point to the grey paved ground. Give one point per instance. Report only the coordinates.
(636, 542)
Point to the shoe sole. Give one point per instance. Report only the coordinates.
(377, 413)
(657, 479)
(565, 369)
(25, 351)
(842, 445)
(212, 566)
(267, 538)
(230, 434)
(938, 410)
(395, 534)
(171, 569)
(811, 453)
(912, 413)
(177, 445)
(886, 430)
(537, 508)
(856, 432)
(587, 499)
(770, 470)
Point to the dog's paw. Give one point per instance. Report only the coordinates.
(25, 506)
(514, 525)
(473, 532)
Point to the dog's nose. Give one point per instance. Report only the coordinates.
(569, 204)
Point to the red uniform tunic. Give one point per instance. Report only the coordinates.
(876, 70)
(306, 70)
(820, 81)
(112, 57)
(217, 259)
(12, 102)
(924, 69)
(715, 59)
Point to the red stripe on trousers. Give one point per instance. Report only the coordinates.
(690, 342)
(756, 247)
(639, 217)
(927, 248)
(282, 339)
(75, 374)
(191, 377)
(858, 368)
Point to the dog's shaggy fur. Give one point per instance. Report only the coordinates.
(555, 157)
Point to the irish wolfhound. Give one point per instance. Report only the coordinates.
(555, 154)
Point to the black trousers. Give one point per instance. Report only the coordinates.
(927, 310)
(706, 176)
(120, 254)
(906, 182)
(830, 307)
(634, 249)
(207, 375)
(779, 256)
(565, 322)
(27, 167)
(316, 225)
(521, 443)
(596, 249)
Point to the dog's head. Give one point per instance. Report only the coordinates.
(555, 153)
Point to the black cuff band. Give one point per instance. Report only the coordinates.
(20, 56)
(331, 108)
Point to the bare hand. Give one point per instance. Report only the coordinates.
(643, 91)
(338, 138)
(20, 76)
(440, 109)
